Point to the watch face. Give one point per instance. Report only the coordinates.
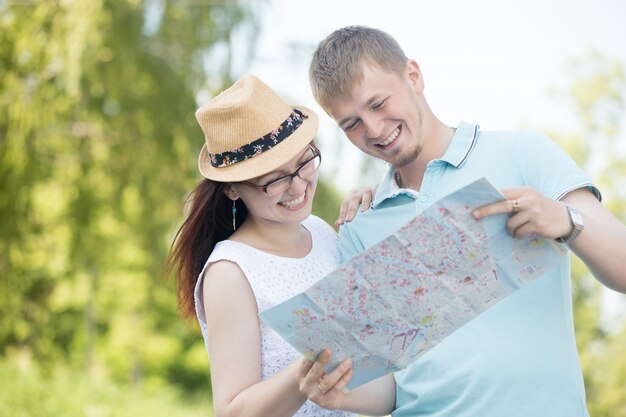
(577, 218)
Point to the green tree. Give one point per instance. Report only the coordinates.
(98, 144)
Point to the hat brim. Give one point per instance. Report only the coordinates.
(266, 161)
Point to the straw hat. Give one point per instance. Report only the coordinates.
(250, 131)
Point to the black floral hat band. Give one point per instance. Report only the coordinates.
(258, 146)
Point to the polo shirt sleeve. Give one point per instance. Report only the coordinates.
(349, 244)
(546, 167)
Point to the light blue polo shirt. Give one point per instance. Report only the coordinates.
(518, 358)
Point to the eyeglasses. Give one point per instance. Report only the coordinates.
(305, 171)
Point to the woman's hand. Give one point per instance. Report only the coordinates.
(352, 201)
(324, 389)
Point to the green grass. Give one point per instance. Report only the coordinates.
(71, 394)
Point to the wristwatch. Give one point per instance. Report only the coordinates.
(576, 219)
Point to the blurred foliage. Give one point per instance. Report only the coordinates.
(597, 96)
(326, 201)
(98, 147)
(72, 394)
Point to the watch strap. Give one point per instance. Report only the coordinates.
(576, 220)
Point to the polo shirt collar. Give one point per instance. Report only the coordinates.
(457, 153)
(461, 144)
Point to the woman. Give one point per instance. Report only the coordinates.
(252, 217)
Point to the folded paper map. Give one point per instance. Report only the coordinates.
(399, 298)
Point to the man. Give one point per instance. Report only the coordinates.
(519, 357)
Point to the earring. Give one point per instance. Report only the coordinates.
(234, 212)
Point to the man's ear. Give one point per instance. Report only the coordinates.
(414, 75)
(230, 192)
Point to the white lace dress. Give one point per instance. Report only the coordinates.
(275, 279)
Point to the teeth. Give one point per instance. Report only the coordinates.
(294, 202)
(391, 138)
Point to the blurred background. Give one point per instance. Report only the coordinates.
(98, 148)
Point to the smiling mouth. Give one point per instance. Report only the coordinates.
(293, 203)
(391, 138)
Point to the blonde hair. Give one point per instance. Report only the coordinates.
(336, 63)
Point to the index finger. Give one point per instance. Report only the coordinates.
(343, 209)
(504, 206)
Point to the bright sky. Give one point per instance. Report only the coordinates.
(487, 61)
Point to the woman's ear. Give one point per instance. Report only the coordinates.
(230, 192)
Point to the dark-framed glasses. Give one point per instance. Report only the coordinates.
(306, 171)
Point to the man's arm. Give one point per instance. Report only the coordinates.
(602, 242)
(601, 245)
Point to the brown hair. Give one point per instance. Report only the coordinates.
(336, 63)
(208, 222)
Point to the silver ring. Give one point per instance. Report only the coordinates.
(320, 390)
(516, 206)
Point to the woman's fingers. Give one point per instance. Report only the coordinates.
(345, 207)
(355, 199)
(336, 380)
(325, 389)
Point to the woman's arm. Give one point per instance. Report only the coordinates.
(235, 351)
